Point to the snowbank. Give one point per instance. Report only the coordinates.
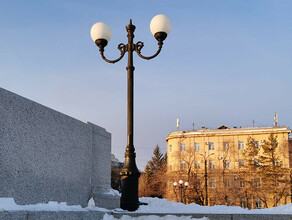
(155, 205)
(8, 204)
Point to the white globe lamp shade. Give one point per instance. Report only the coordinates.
(180, 182)
(186, 184)
(175, 184)
(100, 31)
(160, 23)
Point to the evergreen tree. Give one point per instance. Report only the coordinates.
(143, 185)
(274, 182)
(251, 155)
(251, 170)
(157, 164)
(154, 177)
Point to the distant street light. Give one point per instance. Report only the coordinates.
(160, 27)
(206, 175)
(181, 188)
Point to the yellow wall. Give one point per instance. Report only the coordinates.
(234, 154)
(218, 137)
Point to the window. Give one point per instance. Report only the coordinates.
(197, 183)
(256, 144)
(240, 163)
(197, 164)
(211, 146)
(197, 146)
(240, 145)
(242, 203)
(170, 148)
(228, 201)
(225, 146)
(183, 165)
(241, 182)
(212, 183)
(256, 162)
(211, 164)
(182, 147)
(226, 163)
(227, 183)
(257, 182)
(258, 203)
(277, 163)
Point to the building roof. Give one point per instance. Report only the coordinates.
(229, 131)
(223, 127)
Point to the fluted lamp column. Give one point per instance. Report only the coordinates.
(160, 27)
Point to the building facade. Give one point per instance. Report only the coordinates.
(230, 166)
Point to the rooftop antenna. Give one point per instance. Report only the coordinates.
(253, 123)
(193, 126)
(177, 124)
(276, 120)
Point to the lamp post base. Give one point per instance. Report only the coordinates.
(129, 185)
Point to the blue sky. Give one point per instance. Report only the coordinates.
(225, 62)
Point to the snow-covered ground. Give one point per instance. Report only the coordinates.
(8, 204)
(152, 217)
(155, 205)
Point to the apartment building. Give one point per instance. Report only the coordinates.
(216, 164)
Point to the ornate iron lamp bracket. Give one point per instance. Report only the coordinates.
(139, 45)
(121, 48)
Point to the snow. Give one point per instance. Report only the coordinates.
(113, 192)
(152, 217)
(91, 203)
(154, 206)
(8, 204)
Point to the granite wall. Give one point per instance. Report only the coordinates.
(48, 156)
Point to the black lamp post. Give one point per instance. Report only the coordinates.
(206, 176)
(181, 188)
(160, 27)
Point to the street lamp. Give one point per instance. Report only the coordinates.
(206, 175)
(181, 187)
(160, 27)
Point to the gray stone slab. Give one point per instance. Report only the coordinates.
(45, 215)
(95, 215)
(12, 215)
(215, 216)
(48, 156)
